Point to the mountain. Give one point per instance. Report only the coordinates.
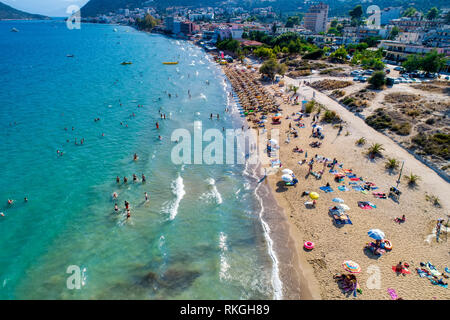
(9, 13)
(337, 7)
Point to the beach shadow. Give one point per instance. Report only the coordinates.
(281, 187)
(370, 255)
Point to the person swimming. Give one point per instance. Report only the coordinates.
(116, 208)
(128, 214)
(10, 201)
(134, 177)
(125, 180)
(127, 204)
(117, 179)
(146, 196)
(135, 157)
(115, 195)
(143, 178)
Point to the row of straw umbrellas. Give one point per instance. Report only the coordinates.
(253, 97)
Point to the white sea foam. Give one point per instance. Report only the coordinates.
(224, 265)
(171, 207)
(213, 195)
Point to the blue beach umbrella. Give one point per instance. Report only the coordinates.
(376, 234)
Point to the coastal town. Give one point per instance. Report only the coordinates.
(379, 93)
(347, 110)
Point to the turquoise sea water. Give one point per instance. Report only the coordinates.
(199, 236)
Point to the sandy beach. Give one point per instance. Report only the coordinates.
(413, 241)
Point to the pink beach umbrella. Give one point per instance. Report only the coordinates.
(351, 266)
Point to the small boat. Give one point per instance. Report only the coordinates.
(70, 55)
(173, 62)
(126, 62)
(14, 30)
(115, 30)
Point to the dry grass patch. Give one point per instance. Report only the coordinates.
(323, 85)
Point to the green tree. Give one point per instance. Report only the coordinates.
(409, 12)
(340, 54)
(356, 13)
(293, 21)
(433, 62)
(334, 24)
(412, 63)
(378, 79)
(264, 53)
(271, 67)
(432, 14)
(394, 33)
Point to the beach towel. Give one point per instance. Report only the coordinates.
(379, 195)
(353, 183)
(326, 189)
(351, 175)
(403, 271)
(375, 188)
(392, 293)
(447, 270)
(355, 179)
(343, 188)
(364, 205)
(422, 273)
(357, 188)
(438, 283)
(339, 221)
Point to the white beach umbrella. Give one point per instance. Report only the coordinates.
(319, 128)
(343, 207)
(287, 178)
(376, 234)
(287, 171)
(273, 141)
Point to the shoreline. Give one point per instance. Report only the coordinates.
(295, 274)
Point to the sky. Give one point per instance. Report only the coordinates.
(52, 8)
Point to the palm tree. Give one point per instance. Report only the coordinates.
(375, 150)
(361, 141)
(392, 164)
(412, 179)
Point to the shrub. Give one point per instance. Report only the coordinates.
(310, 106)
(361, 141)
(412, 179)
(402, 129)
(378, 79)
(314, 55)
(330, 117)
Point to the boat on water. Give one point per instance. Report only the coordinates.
(126, 62)
(70, 55)
(14, 30)
(171, 62)
(115, 29)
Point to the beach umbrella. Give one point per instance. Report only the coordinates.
(339, 200)
(314, 195)
(319, 128)
(273, 141)
(287, 171)
(376, 234)
(287, 178)
(343, 207)
(351, 266)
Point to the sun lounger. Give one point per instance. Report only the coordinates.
(357, 188)
(379, 195)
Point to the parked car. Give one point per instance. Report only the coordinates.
(398, 68)
(390, 81)
(369, 72)
(355, 73)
